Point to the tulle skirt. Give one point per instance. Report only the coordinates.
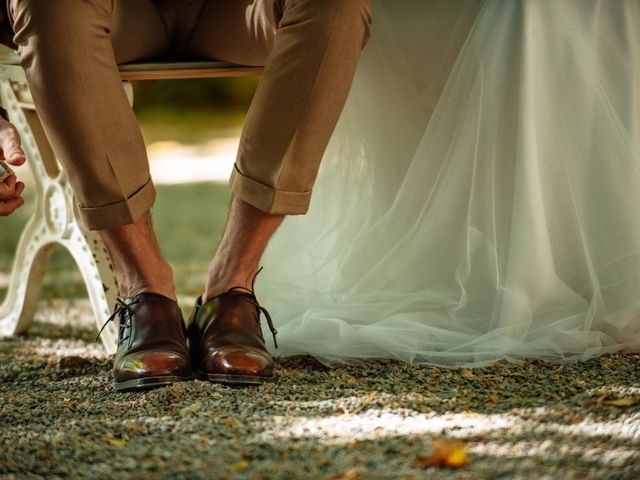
(479, 198)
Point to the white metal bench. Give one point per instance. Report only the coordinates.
(55, 221)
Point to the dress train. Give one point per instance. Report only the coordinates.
(479, 198)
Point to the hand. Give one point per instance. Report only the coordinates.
(10, 195)
(10, 151)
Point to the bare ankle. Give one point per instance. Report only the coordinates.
(220, 279)
(133, 283)
(137, 260)
(245, 237)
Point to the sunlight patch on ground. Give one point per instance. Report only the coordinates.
(612, 457)
(174, 162)
(380, 423)
(614, 390)
(56, 349)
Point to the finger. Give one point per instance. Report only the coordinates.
(19, 189)
(17, 157)
(10, 191)
(10, 206)
(8, 188)
(11, 145)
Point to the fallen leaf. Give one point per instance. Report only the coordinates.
(465, 372)
(116, 442)
(229, 422)
(621, 402)
(242, 465)
(492, 398)
(447, 453)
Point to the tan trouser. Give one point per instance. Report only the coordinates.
(70, 50)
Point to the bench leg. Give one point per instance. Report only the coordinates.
(54, 223)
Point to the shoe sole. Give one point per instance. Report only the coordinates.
(148, 383)
(228, 379)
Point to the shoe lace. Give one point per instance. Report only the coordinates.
(125, 312)
(249, 295)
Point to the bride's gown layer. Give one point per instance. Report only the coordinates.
(480, 199)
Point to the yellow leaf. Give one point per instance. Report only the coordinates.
(622, 402)
(457, 457)
(447, 453)
(465, 372)
(243, 465)
(116, 442)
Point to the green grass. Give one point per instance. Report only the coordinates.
(188, 218)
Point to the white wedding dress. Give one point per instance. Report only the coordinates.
(480, 199)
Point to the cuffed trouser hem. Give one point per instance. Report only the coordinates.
(268, 199)
(121, 213)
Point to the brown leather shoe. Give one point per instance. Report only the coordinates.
(226, 340)
(152, 345)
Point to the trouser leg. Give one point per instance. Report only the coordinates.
(70, 50)
(310, 49)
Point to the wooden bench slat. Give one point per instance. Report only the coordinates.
(187, 65)
(10, 69)
(169, 71)
(161, 73)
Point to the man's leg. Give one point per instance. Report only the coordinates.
(70, 51)
(310, 50)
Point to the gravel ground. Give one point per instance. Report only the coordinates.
(60, 418)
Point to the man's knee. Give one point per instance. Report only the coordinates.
(57, 25)
(351, 19)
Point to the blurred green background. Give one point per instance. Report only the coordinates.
(221, 96)
(191, 111)
(188, 218)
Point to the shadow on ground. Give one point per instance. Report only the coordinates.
(61, 418)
